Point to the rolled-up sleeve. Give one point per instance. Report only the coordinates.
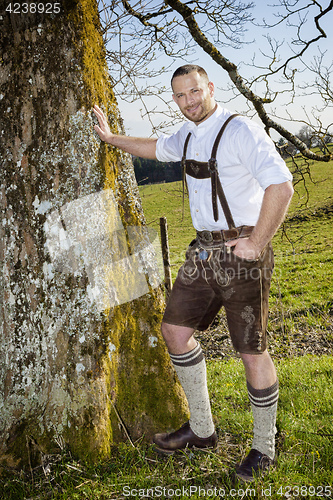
(170, 147)
(259, 155)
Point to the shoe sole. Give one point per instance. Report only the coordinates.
(244, 478)
(165, 452)
(260, 473)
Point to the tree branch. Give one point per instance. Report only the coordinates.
(238, 81)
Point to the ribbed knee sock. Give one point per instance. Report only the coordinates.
(191, 370)
(264, 409)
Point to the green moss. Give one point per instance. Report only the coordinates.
(148, 394)
(90, 47)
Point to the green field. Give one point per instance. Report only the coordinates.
(301, 341)
(301, 300)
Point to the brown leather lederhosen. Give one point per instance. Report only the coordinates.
(206, 170)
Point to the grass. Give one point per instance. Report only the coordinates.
(301, 304)
(302, 292)
(305, 431)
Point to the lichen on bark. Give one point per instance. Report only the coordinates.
(69, 367)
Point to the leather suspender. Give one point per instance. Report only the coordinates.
(207, 170)
(215, 179)
(183, 166)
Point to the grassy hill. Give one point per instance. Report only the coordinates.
(301, 300)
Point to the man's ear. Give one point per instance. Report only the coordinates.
(174, 98)
(211, 88)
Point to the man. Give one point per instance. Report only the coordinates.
(239, 191)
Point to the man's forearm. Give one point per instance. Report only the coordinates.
(273, 211)
(144, 147)
(137, 146)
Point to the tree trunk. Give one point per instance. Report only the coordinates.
(81, 301)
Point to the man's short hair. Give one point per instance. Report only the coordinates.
(189, 68)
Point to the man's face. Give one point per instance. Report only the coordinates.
(194, 96)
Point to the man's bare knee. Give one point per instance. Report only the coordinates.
(259, 369)
(179, 339)
(168, 331)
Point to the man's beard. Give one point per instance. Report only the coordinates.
(201, 117)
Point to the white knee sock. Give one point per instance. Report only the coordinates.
(264, 408)
(191, 370)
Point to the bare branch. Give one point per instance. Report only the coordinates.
(299, 41)
(238, 81)
(166, 25)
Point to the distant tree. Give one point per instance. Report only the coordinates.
(328, 138)
(308, 136)
(153, 171)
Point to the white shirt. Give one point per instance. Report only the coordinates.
(247, 163)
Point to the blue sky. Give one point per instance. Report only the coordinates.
(136, 125)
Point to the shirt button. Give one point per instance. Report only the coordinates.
(195, 191)
(196, 154)
(197, 210)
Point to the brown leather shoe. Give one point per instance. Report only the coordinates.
(168, 443)
(254, 464)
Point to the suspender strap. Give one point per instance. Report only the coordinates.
(183, 165)
(185, 148)
(217, 189)
(219, 135)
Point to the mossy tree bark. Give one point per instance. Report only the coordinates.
(80, 301)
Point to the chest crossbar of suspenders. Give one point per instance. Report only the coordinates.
(205, 170)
